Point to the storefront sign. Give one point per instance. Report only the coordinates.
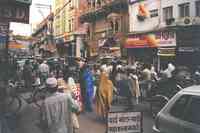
(4, 28)
(167, 51)
(124, 122)
(158, 39)
(14, 13)
(189, 49)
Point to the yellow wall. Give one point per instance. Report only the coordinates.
(61, 20)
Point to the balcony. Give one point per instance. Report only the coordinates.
(90, 14)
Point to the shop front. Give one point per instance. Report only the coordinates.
(188, 46)
(188, 56)
(66, 45)
(156, 47)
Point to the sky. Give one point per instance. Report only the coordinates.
(36, 16)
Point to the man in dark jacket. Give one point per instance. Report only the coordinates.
(27, 75)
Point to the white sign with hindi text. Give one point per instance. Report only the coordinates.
(124, 122)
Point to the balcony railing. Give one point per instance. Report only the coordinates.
(105, 8)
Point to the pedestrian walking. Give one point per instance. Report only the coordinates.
(28, 75)
(82, 82)
(104, 94)
(44, 71)
(88, 77)
(57, 110)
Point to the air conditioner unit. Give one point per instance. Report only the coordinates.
(186, 21)
(196, 21)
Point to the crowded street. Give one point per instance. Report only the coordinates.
(99, 66)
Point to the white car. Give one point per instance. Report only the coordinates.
(181, 114)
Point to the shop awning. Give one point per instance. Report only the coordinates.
(153, 40)
(134, 43)
(145, 42)
(15, 45)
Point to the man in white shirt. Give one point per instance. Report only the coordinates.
(44, 68)
(44, 71)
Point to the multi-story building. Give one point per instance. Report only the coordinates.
(184, 15)
(66, 26)
(43, 42)
(107, 24)
(57, 25)
(163, 31)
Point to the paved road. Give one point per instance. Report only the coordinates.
(89, 123)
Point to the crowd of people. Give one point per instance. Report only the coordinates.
(98, 84)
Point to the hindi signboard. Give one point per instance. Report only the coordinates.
(14, 13)
(124, 122)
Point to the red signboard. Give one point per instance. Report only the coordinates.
(14, 13)
(157, 39)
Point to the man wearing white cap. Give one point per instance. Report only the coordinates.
(56, 110)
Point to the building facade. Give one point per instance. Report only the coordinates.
(43, 40)
(185, 16)
(66, 26)
(107, 25)
(163, 31)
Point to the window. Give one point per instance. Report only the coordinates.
(178, 108)
(167, 13)
(116, 26)
(184, 10)
(192, 114)
(70, 25)
(71, 4)
(112, 25)
(198, 8)
(72, 21)
(93, 4)
(154, 13)
(99, 2)
(63, 21)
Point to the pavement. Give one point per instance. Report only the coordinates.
(90, 123)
